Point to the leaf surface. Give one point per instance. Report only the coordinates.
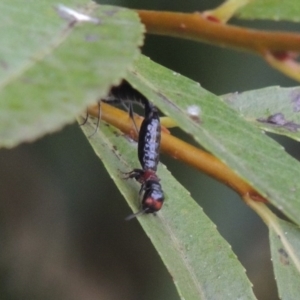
(288, 10)
(272, 109)
(51, 69)
(285, 250)
(199, 260)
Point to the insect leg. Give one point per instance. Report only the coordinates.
(98, 120)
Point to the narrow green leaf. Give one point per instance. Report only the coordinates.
(288, 10)
(200, 261)
(272, 109)
(255, 157)
(285, 250)
(50, 83)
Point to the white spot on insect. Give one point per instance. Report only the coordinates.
(194, 112)
(72, 15)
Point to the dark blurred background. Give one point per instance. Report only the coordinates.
(62, 228)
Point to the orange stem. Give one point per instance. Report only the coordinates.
(197, 27)
(181, 150)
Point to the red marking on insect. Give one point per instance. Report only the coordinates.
(149, 175)
(153, 204)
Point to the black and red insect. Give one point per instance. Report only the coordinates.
(148, 148)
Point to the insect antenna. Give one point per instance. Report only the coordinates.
(85, 119)
(131, 115)
(132, 216)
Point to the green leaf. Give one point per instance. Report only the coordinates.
(26, 31)
(199, 260)
(245, 149)
(52, 70)
(259, 105)
(288, 10)
(285, 250)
